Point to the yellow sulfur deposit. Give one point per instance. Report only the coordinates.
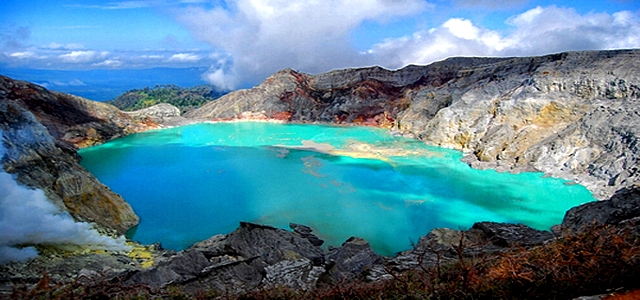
(141, 254)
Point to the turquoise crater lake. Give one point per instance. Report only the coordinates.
(191, 182)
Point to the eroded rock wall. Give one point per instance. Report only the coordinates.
(40, 132)
(571, 115)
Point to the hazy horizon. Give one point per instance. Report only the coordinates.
(103, 85)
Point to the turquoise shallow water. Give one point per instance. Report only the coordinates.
(189, 183)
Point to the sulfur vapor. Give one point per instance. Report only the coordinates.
(28, 218)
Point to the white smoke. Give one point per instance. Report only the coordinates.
(28, 218)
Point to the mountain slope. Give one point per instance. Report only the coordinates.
(570, 115)
(40, 132)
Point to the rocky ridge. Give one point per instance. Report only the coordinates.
(570, 115)
(41, 131)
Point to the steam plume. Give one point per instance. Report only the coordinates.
(28, 218)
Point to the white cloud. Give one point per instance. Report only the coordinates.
(538, 31)
(23, 55)
(263, 36)
(184, 57)
(53, 45)
(74, 82)
(56, 46)
(224, 81)
(461, 28)
(251, 39)
(82, 56)
(559, 29)
(109, 63)
(151, 56)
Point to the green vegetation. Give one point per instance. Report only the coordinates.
(596, 261)
(184, 98)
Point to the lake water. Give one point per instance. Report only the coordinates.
(191, 182)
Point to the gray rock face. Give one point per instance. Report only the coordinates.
(251, 256)
(443, 245)
(354, 259)
(163, 113)
(509, 235)
(305, 232)
(258, 256)
(622, 209)
(184, 266)
(571, 115)
(40, 161)
(70, 120)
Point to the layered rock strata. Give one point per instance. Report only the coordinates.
(41, 131)
(571, 115)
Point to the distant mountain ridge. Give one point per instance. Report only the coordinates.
(106, 84)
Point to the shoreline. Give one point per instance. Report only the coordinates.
(597, 189)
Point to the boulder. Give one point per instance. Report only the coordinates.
(252, 256)
(622, 208)
(305, 232)
(353, 260)
(511, 235)
(443, 245)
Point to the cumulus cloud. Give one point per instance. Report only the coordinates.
(538, 31)
(151, 56)
(109, 63)
(23, 55)
(82, 56)
(221, 79)
(266, 35)
(263, 36)
(184, 57)
(28, 218)
(251, 39)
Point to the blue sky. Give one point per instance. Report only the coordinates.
(240, 42)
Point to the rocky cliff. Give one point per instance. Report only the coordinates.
(571, 115)
(41, 131)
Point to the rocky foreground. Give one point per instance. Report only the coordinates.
(255, 257)
(572, 115)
